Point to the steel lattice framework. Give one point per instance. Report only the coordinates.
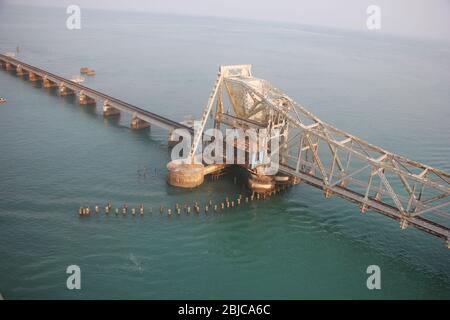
(331, 159)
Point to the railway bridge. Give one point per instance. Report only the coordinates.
(311, 151)
(111, 106)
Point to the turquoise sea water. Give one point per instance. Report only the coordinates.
(56, 155)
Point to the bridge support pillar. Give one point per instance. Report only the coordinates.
(48, 84)
(9, 66)
(19, 70)
(85, 100)
(33, 77)
(281, 179)
(108, 110)
(185, 175)
(137, 123)
(261, 184)
(64, 91)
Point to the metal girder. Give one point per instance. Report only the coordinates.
(199, 133)
(407, 186)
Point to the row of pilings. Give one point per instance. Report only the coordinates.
(195, 207)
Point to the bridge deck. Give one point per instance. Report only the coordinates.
(142, 114)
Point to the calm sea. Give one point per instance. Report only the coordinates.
(56, 156)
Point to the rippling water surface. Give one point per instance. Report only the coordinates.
(56, 155)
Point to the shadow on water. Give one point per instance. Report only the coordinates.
(69, 98)
(53, 91)
(113, 121)
(12, 73)
(145, 136)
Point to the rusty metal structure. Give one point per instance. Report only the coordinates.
(338, 163)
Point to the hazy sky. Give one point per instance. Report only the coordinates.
(424, 18)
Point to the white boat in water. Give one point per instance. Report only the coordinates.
(77, 79)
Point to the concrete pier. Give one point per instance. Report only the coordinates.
(9, 66)
(48, 84)
(108, 110)
(64, 91)
(19, 70)
(261, 184)
(137, 123)
(33, 77)
(85, 99)
(185, 175)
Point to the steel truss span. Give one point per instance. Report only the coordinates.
(331, 159)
